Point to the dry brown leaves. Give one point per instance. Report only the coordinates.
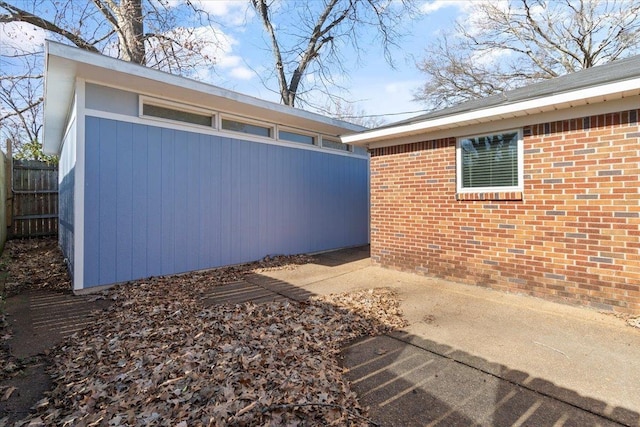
(157, 357)
(39, 264)
(380, 305)
(33, 264)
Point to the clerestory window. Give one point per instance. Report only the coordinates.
(178, 114)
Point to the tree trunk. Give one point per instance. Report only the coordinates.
(131, 31)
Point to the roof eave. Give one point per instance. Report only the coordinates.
(59, 85)
(596, 94)
(64, 64)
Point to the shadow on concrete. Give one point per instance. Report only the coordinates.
(39, 321)
(42, 319)
(342, 256)
(406, 380)
(254, 288)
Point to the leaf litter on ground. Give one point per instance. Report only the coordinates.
(157, 356)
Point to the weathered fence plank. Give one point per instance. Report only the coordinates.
(35, 199)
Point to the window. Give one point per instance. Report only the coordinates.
(296, 137)
(335, 145)
(178, 115)
(490, 162)
(243, 127)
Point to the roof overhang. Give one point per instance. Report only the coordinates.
(393, 135)
(65, 64)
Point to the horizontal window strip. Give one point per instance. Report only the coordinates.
(244, 127)
(178, 115)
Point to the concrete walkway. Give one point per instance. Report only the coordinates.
(477, 356)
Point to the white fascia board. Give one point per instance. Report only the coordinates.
(59, 86)
(596, 94)
(79, 189)
(65, 63)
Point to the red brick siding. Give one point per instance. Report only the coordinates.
(573, 236)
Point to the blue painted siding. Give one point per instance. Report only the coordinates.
(66, 196)
(161, 201)
(139, 206)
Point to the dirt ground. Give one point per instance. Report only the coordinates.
(26, 266)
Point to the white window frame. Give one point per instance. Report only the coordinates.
(247, 121)
(142, 100)
(315, 136)
(337, 141)
(520, 165)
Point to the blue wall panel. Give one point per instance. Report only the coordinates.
(161, 201)
(92, 204)
(66, 199)
(124, 201)
(225, 189)
(180, 201)
(107, 189)
(139, 209)
(193, 200)
(167, 167)
(153, 198)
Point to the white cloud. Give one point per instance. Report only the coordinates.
(218, 46)
(233, 12)
(229, 61)
(218, 43)
(435, 5)
(392, 97)
(242, 73)
(403, 88)
(20, 37)
(475, 22)
(488, 57)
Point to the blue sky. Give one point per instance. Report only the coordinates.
(374, 86)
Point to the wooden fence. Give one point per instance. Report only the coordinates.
(34, 193)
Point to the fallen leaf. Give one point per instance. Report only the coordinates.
(159, 356)
(7, 393)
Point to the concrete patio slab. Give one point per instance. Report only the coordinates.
(579, 357)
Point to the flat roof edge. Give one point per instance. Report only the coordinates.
(612, 90)
(98, 60)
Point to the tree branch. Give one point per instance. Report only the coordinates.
(19, 15)
(263, 10)
(106, 12)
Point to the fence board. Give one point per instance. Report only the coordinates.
(35, 199)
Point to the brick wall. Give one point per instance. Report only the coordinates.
(573, 235)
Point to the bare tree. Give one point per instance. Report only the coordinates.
(20, 96)
(502, 46)
(349, 112)
(305, 38)
(141, 31)
(95, 26)
(127, 21)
